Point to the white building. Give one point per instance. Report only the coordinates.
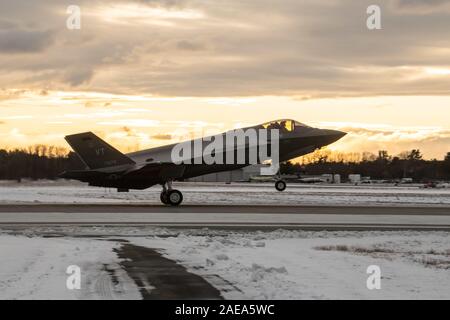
(354, 178)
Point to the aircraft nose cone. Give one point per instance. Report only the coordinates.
(327, 136)
(337, 134)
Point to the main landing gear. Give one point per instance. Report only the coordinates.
(170, 196)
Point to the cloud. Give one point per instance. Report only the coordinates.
(130, 123)
(11, 94)
(432, 141)
(130, 133)
(168, 4)
(6, 24)
(206, 49)
(77, 77)
(189, 45)
(422, 6)
(24, 41)
(392, 133)
(19, 117)
(162, 136)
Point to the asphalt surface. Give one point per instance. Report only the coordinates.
(304, 209)
(159, 278)
(296, 217)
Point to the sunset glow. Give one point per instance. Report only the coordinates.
(143, 74)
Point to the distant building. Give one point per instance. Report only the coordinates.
(406, 180)
(253, 173)
(337, 178)
(357, 179)
(331, 178)
(354, 178)
(327, 177)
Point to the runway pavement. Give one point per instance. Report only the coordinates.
(254, 217)
(271, 209)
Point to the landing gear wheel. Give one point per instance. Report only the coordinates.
(174, 197)
(163, 197)
(280, 185)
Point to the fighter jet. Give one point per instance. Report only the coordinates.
(105, 166)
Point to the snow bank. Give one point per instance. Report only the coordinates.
(280, 264)
(290, 265)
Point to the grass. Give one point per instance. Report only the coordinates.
(354, 249)
(429, 258)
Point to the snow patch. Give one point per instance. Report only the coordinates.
(35, 268)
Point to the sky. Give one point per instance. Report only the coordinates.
(143, 73)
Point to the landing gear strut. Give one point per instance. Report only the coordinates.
(170, 196)
(280, 185)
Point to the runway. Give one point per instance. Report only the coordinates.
(233, 216)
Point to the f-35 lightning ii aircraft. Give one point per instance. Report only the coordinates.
(105, 166)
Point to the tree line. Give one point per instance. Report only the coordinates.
(46, 162)
(408, 164)
(36, 162)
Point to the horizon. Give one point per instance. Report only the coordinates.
(324, 152)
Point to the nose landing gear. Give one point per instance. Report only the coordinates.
(170, 196)
(280, 185)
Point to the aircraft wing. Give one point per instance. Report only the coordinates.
(160, 170)
(138, 177)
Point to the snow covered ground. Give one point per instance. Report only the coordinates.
(222, 194)
(35, 268)
(304, 265)
(250, 265)
(241, 264)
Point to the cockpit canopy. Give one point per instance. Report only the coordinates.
(285, 125)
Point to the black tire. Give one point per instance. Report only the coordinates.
(280, 185)
(174, 197)
(163, 197)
